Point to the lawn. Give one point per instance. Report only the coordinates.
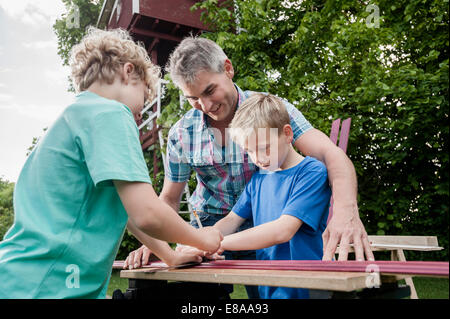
(427, 288)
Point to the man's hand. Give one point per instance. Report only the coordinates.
(137, 258)
(345, 227)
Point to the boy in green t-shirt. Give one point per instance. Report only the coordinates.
(86, 180)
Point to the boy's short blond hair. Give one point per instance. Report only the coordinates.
(258, 111)
(100, 54)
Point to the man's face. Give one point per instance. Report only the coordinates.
(214, 94)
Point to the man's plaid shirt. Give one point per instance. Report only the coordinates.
(221, 172)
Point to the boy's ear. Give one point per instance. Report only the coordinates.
(127, 71)
(288, 132)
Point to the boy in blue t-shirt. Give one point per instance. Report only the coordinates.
(87, 179)
(288, 198)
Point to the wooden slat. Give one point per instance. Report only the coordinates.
(391, 243)
(405, 240)
(422, 268)
(345, 132)
(335, 130)
(336, 281)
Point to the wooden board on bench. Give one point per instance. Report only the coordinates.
(387, 243)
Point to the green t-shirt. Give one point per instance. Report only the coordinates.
(69, 220)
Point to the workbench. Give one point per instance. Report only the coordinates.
(157, 282)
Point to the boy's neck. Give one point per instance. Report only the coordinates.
(292, 159)
(107, 91)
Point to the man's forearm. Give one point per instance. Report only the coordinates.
(342, 178)
(174, 204)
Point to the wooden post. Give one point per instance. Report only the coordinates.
(400, 255)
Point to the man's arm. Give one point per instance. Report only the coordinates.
(171, 193)
(265, 235)
(156, 219)
(345, 227)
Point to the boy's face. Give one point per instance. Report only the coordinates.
(268, 148)
(213, 93)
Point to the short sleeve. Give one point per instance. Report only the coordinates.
(310, 196)
(111, 149)
(178, 169)
(299, 123)
(243, 206)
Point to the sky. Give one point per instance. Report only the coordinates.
(33, 82)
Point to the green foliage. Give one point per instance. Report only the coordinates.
(6, 206)
(68, 35)
(392, 80)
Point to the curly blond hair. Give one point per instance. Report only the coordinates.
(100, 54)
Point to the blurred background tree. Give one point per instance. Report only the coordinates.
(6, 206)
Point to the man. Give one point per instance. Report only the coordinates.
(199, 141)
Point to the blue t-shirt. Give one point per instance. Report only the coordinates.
(69, 219)
(301, 191)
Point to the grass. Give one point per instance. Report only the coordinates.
(427, 288)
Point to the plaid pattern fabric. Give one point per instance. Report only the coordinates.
(221, 172)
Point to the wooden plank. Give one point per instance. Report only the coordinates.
(390, 243)
(335, 130)
(336, 281)
(419, 268)
(345, 132)
(405, 240)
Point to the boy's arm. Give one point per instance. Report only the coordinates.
(159, 248)
(156, 219)
(265, 235)
(229, 224)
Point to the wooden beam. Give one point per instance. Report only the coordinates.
(155, 41)
(154, 24)
(155, 34)
(336, 281)
(175, 28)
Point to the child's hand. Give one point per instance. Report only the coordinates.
(138, 257)
(193, 250)
(184, 257)
(211, 238)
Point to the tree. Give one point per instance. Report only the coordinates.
(389, 73)
(72, 25)
(6, 206)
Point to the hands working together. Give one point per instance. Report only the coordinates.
(182, 254)
(345, 232)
